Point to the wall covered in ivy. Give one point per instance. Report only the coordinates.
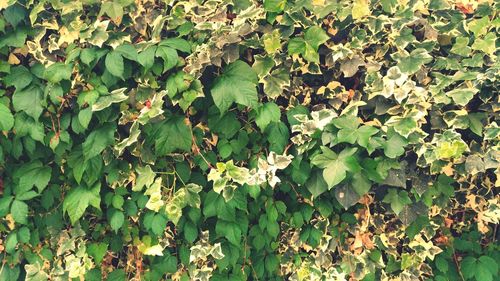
(249, 140)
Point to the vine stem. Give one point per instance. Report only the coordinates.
(457, 264)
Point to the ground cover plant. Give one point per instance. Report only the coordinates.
(249, 140)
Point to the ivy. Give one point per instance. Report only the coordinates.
(249, 140)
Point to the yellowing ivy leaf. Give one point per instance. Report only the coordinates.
(360, 9)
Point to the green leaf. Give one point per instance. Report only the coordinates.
(29, 100)
(360, 9)
(114, 64)
(19, 77)
(178, 44)
(145, 178)
(278, 136)
(19, 211)
(190, 231)
(462, 96)
(84, 116)
(169, 56)
(127, 51)
(104, 101)
(230, 230)
(274, 6)
(97, 251)
(171, 135)
(479, 26)
(147, 57)
(25, 125)
(10, 243)
(361, 184)
(397, 199)
(78, 199)
(336, 166)
(32, 174)
(395, 146)
(315, 36)
(98, 140)
(6, 118)
(316, 184)
(489, 264)
(116, 221)
(346, 196)
(296, 46)
(468, 266)
(237, 84)
(114, 10)
(461, 47)
(412, 62)
(267, 113)
(117, 275)
(57, 72)
(487, 44)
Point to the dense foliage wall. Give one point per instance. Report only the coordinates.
(249, 140)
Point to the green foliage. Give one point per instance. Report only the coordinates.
(249, 140)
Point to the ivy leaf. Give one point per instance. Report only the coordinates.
(97, 251)
(346, 196)
(479, 26)
(397, 200)
(315, 36)
(78, 199)
(267, 113)
(461, 47)
(6, 118)
(336, 166)
(114, 64)
(114, 10)
(487, 44)
(171, 135)
(395, 146)
(411, 63)
(296, 46)
(276, 82)
(29, 100)
(277, 135)
(236, 84)
(360, 184)
(105, 101)
(98, 140)
(316, 184)
(145, 178)
(274, 6)
(462, 96)
(360, 9)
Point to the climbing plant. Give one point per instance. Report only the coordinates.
(249, 140)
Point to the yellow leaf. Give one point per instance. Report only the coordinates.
(13, 59)
(360, 9)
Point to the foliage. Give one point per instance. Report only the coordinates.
(249, 140)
